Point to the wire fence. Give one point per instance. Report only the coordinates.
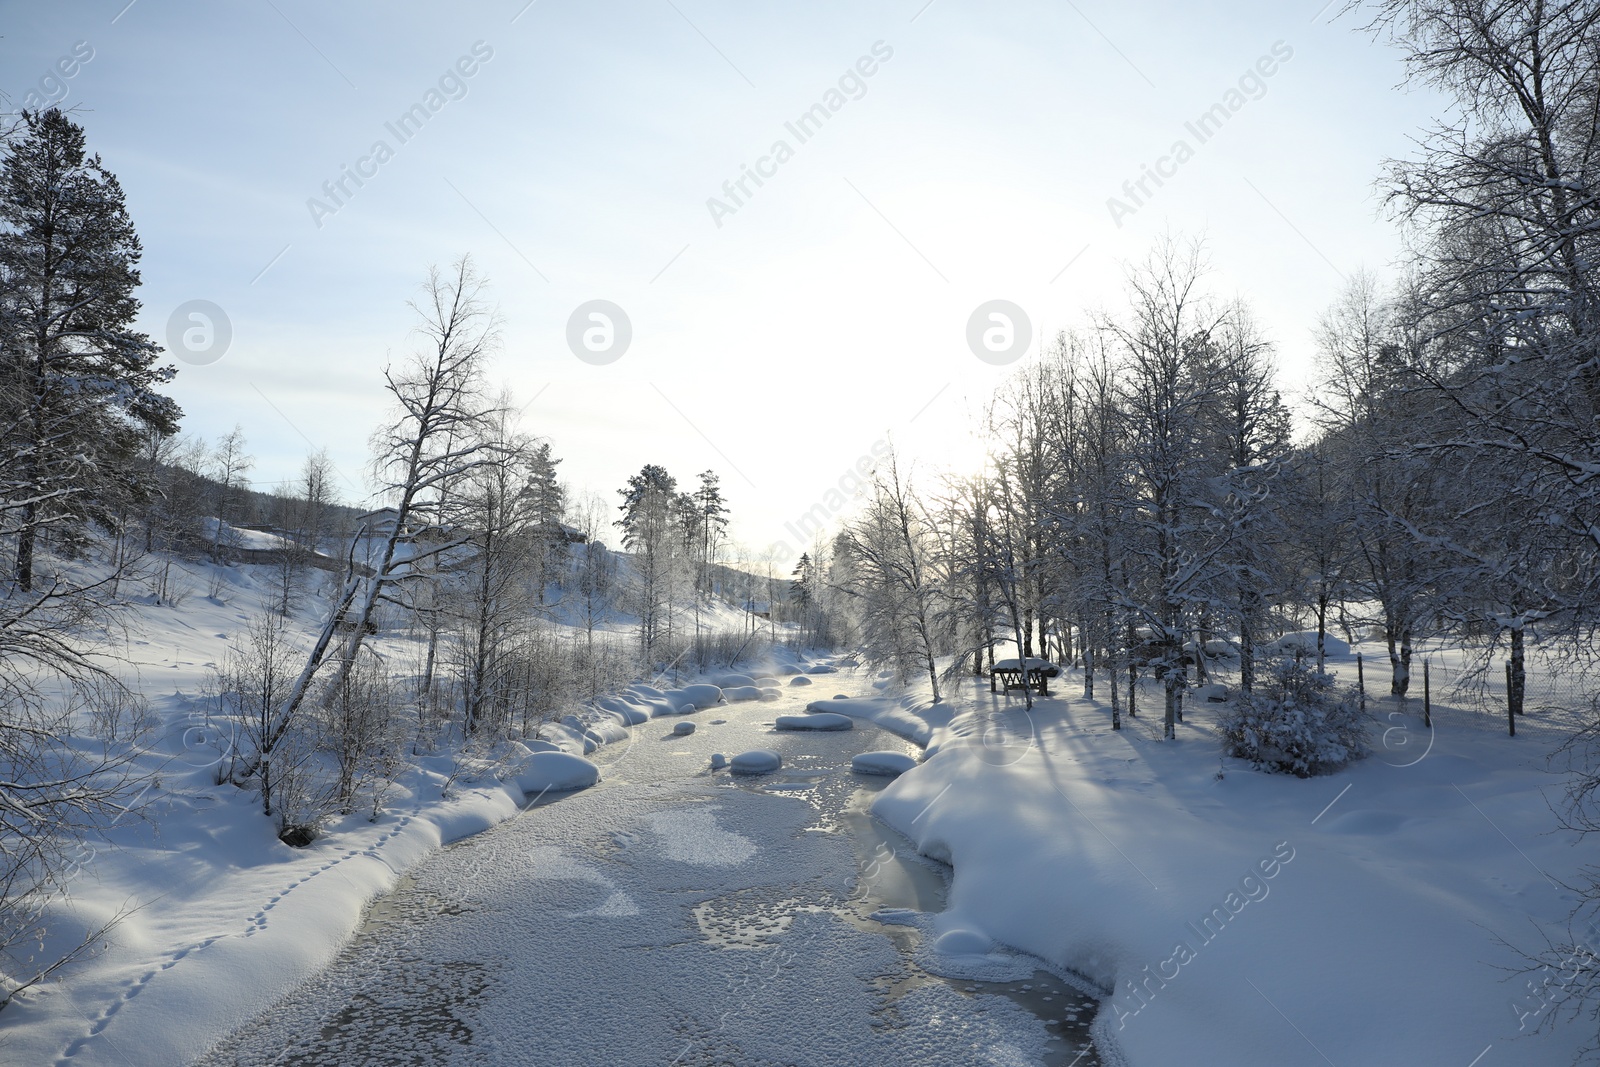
(1457, 690)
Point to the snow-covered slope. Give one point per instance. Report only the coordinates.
(222, 918)
(1246, 918)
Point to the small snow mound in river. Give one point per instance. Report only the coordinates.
(756, 761)
(817, 720)
(889, 763)
(822, 668)
(769, 695)
(741, 692)
(718, 761)
(683, 729)
(799, 679)
(556, 772)
(960, 942)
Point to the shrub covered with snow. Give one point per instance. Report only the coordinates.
(1296, 721)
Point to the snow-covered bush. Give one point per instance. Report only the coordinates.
(1296, 720)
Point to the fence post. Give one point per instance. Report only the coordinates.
(1361, 681)
(1427, 696)
(1511, 714)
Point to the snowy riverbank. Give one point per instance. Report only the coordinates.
(1246, 918)
(221, 918)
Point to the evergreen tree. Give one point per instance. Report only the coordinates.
(650, 510)
(800, 585)
(548, 503)
(77, 385)
(711, 517)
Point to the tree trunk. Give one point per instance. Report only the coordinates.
(1322, 629)
(1169, 728)
(1247, 653)
(1400, 663)
(24, 568)
(1111, 678)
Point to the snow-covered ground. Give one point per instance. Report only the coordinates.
(1371, 916)
(671, 915)
(221, 918)
(1238, 917)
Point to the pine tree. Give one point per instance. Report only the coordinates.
(548, 501)
(77, 385)
(711, 513)
(800, 585)
(650, 506)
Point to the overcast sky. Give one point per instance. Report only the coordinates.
(968, 154)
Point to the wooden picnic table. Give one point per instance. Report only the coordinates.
(1013, 674)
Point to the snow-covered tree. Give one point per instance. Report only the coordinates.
(78, 386)
(437, 437)
(652, 531)
(900, 594)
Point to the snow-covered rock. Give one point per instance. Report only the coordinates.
(886, 763)
(1305, 642)
(630, 713)
(735, 693)
(799, 679)
(817, 720)
(699, 695)
(756, 761)
(566, 738)
(769, 695)
(962, 942)
(683, 729)
(556, 772)
(718, 761)
(606, 731)
(1215, 693)
(727, 681)
(822, 668)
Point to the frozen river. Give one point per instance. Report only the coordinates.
(671, 915)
